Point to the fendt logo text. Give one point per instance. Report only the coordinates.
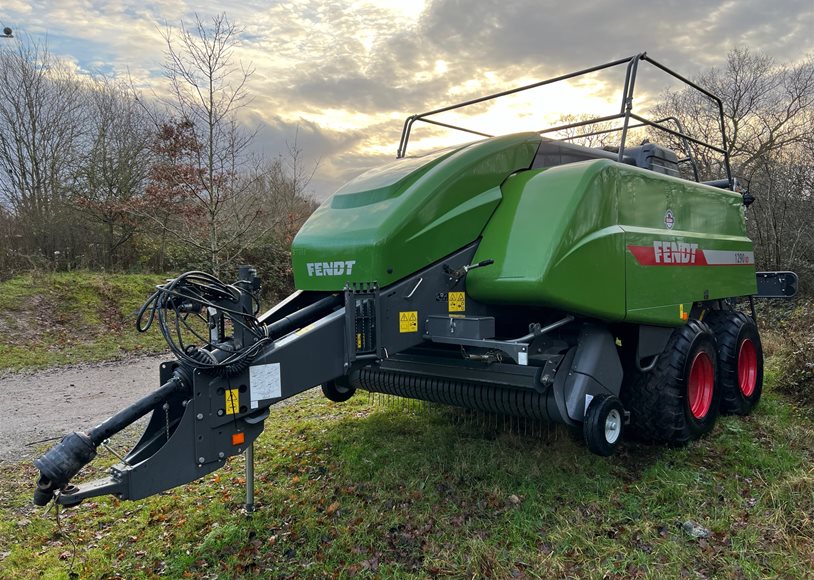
(674, 252)
(340, 268)
(664, 253)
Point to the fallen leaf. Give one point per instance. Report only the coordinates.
(372, 564)
(331, 510)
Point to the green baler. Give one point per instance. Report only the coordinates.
(580, 237)
(517, 275)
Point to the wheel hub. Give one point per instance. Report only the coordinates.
(701, 385)
(747, 367)
(613, 426)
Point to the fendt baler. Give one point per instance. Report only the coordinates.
(517, 275)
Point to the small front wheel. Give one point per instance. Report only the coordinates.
(602, 428)
(336, 392)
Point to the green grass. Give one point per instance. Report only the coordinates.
(64, 318)
(392, 491)
(398, 491)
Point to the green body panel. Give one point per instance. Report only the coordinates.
(390, 222)
(556, 242)
(560, 239)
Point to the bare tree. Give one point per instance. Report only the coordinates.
(768, 107)
(114, 168)
(280, 188)
(208, 89)
(768, 115)
(782, 219)
(41, 130)
(599, 134)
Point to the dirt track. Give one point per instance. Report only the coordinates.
(53, 402)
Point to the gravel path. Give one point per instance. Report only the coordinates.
(53, 402)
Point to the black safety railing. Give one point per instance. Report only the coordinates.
(625, 113)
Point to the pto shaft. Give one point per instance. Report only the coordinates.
(77, 449)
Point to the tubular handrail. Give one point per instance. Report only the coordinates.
(625, 112)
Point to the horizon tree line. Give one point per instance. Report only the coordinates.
(95, 175)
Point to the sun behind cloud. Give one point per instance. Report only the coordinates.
(342, 76)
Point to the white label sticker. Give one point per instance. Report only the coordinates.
(264, 383)
(588, 399)
(523, 358)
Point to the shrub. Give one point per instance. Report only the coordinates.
(796, 354)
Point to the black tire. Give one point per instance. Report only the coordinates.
(740, 361)
(664, 407)
(602, 428)
(336, 392)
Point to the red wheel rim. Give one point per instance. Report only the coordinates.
(701, 385)
(747, 367)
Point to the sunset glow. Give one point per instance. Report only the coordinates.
(343, 76)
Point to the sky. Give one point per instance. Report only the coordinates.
(341, 76)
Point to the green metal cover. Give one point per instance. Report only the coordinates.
(613, 241)
(598, 238)
(395, 220)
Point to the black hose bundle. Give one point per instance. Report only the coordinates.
(189, 295)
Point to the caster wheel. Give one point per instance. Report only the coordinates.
(602, 428)
(336, 392)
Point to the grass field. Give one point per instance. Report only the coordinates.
(405, 490)
(49, 319)
(399, 490)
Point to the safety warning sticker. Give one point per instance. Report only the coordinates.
(408, 321)
(264, 382)
(232, 401)
(457, 301)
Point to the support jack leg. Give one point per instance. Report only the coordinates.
(250, 479)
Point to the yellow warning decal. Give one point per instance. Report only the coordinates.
(408, 321)
(232, 401)
(683, 314)
(358, 340)
(457, 301)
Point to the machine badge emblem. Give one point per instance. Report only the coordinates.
(669, 220)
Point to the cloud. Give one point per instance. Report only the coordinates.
(346, 74)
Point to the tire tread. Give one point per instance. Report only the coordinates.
(727, 326)
(656, 399)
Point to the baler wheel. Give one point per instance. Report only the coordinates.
(740, 361)
(336, 392)
(678, 400)
(602, 428)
